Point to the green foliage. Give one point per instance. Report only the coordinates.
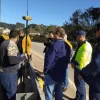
(19, 25)
(74, 44)
(12, 26)
(83, 20)
(43, 29)
(38, 38)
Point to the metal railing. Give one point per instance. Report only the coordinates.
(29, 88)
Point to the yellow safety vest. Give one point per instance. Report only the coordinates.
(83, 55)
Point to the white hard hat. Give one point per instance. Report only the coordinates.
(6, 31)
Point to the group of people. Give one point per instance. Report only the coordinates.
(84, 61)
(58, 54)
(12, 53)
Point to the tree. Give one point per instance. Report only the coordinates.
(12, 26)
(75, 17)
(85, 20)
(19, 25)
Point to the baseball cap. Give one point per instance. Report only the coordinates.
(81, 32)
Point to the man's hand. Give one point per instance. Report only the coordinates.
(26, 55)
(72, 65)
(80, 76)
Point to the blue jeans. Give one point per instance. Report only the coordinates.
(52, 87)
(9, 85)
(66, 79)
(80, 86)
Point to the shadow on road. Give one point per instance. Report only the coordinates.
(39, 74)
(65, 96)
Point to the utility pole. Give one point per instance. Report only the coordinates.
(26, 28)
(27, 18)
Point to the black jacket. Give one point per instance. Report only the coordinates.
(10, 57)
(19, 44)
(91, 73)
(47, 44)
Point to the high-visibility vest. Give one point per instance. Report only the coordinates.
(83, 55)
(5, 36)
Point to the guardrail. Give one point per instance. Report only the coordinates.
(29, 88)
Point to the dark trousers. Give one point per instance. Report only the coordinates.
(9, 85)
(80, 86)
(93, 95)
(92, 92)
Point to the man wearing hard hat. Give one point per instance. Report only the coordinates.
(4, 35)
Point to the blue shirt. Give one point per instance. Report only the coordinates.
(56, 60)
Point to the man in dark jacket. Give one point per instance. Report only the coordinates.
(48, 43)
(19, 43)
(91, 73)
(9, 65)
(55, 64)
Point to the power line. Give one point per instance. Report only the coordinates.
(0, 10)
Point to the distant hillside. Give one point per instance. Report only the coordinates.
(43, 29)
(12, 26)
(33, 28)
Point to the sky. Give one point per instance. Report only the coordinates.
(46, 12)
